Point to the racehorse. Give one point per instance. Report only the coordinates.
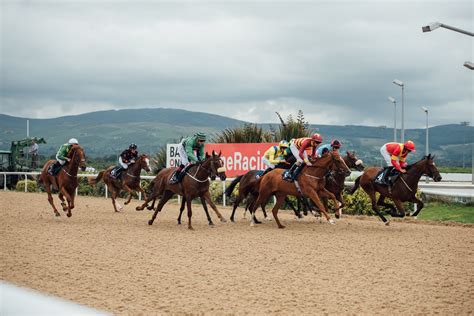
(65, 181)
(335, 180)
(249, 185)
(194, 184)
(129, 180)
(311, 181)
(403, 190)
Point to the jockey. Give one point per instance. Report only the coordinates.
(395, 155)
(298, 148)
(126, 158)
(334, 146)
(275, 156)
(186, 150)
(61, 156)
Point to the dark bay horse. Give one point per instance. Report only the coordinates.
(194, 184)
(403, 190)
(129, 180)
(335, 180)
(66, 179)
(311, 181)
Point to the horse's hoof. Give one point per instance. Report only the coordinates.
(268, 219)
(211, 225)
(126, 203)
(150, 222)
(387, 223)
(69, 214)
(179, 223)
(332, 222)
(223, 220)
(252, 224)
(337, 216)
(149, 208)
(232, 220)
(138, 208)
(190, 228)
(281, 227)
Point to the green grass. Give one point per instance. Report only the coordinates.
(438, 211)
(454, 170)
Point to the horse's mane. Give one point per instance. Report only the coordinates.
(408, 167)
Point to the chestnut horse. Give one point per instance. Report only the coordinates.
(66, 179)
(194, 184)
(129, 180)
(335, 180)
(311, 181)
(403, 190)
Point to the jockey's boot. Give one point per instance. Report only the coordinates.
(54, 168)
(387, 177)
(176, 177)
(264, 173)
(297, 172)
(288, 176)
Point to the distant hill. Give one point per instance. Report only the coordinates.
(108, 132)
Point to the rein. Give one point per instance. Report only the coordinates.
(195, 174)
(64, 169)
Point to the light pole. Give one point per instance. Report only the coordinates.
(394, 118)
(466, 124)
(401, 84)
(427, 146)
(434, 25)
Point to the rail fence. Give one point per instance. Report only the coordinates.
(453, 189)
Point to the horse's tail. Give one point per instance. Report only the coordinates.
(96, 180)
(356, 185)
(230, 189)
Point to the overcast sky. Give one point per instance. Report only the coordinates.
(335, 60)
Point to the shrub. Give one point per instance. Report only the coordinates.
(32, 186)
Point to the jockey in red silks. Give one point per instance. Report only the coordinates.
(395, 155)
(298, 148)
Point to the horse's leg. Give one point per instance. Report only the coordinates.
(140, 189)
(328, 194)
(204, 205)
(280, 199)
(152, 196)
(130, 191)
(340, 198)
(375, 208)
(69, 201)
(166, 196)
(419, 206)
(313, 195)
(190, 213)
(292, 206)
(152, 206)
(400, 207)
(50, 197)
(381, 202)
(181, 209)
(236, 204)
(208, 199)
(63, 201)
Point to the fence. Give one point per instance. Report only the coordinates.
(454, 189)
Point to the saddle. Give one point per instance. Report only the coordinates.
(54, 168)
(387, 176)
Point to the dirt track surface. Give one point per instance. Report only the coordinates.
(118, 263)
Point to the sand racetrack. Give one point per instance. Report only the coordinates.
(118, 263)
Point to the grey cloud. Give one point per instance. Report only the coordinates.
(334, 60)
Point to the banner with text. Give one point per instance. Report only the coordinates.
(237, 158)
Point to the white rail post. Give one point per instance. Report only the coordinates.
(26, 183)
(139, 196)
(106, 192)
(4, 182)
(77, 190)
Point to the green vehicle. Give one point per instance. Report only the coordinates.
(17, 159)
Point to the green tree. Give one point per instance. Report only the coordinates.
(249, 133)
(291, 128)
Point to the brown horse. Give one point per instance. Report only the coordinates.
(66, 179)
(335, 180)
(311, 181)
(194, 184)
(403, 190)
(129, 181)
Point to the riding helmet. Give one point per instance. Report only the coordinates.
(283, 144)
(132, 146)
(410, 145)
(317, 138)
(73, 141)
(336, 144)
(200, 136)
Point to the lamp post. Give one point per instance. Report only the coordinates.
(427, 146)
(434, 25)
(401, 84)
(394, 118)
